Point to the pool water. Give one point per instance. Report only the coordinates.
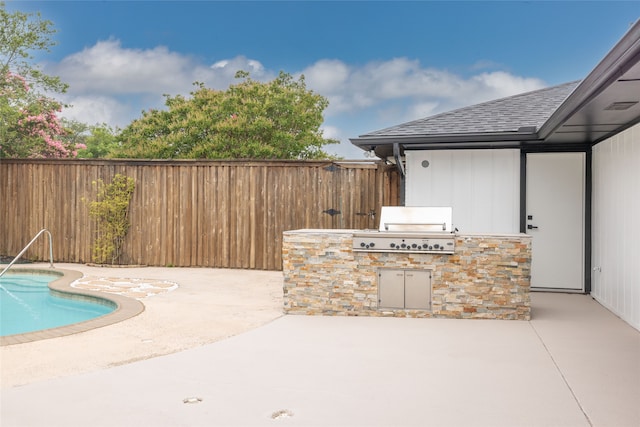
(27, 305)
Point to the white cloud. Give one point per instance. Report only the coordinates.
(345, 149)
(99, 109)
(351, 89)
(110, 69)
(327, 75)
(499, 84)
(112, 84)
(422, 109)
(222, 73)
(331, 132)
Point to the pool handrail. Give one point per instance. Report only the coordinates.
(44, 230)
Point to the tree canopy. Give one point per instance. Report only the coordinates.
(99, 139)
(279, 119)
(29, 123)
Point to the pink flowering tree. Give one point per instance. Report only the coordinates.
(30, 126)
(29, 122)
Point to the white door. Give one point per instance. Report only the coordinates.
(555, 219)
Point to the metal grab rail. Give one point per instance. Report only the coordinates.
(44, 230)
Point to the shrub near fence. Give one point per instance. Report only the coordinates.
(226, 214)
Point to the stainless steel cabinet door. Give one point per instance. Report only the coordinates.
(391, 288)
(408, 289)
(417, 289)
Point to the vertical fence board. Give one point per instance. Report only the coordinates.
(226, 214)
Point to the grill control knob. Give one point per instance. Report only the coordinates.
(403, 245)
(363, 244)
(371, 244)
(414, 246)
(437, 246)
(392, 245)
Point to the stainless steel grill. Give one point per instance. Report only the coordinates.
(409, 229)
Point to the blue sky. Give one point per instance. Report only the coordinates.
(379, 63)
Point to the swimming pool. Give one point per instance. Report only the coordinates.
(27, 304)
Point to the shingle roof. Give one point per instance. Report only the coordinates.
(501, 115)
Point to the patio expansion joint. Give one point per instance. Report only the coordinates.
(564, 379)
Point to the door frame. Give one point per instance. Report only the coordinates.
(587, 201)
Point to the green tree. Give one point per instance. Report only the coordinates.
(29, 123)
(99, 140)
(279, 119)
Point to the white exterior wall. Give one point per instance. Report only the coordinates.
(616, 225)
(482, 186)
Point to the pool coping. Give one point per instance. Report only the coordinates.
(125, 307)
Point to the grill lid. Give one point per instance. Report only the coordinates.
(416, 219)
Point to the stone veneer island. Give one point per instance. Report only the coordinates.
(487, 276)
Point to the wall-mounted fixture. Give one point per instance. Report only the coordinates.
(619, 106)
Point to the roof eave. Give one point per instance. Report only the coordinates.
(364, 141)
(618, 61)
(382, 145)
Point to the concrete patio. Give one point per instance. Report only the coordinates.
(573, 364)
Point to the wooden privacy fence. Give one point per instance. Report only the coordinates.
(227, 214)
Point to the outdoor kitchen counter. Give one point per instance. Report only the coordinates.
(487, 276)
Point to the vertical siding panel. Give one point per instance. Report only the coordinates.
(616, 208)
(480, 185)
(632, 249)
